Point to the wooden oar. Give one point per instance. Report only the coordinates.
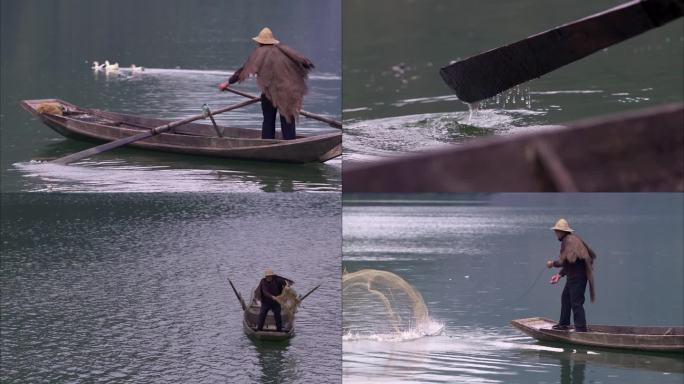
(301, 298)
(492, 72)
(331, 122)
(143, 135)
(242, 302)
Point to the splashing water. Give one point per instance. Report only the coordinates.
(379, 305)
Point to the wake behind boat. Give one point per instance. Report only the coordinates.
(192, 138)
(660, 339)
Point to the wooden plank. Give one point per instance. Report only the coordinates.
(635, 151)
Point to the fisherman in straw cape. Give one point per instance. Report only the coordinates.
(576, 261)
(281, 74)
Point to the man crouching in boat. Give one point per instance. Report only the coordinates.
(281, 74)
(576, 262)
(269, 288)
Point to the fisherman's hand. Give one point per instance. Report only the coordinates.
(223, 86)
(549, 264)
(555, 279)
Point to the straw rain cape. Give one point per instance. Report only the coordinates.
(573, 248)
(281, 74)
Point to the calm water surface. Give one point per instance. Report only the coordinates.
(188, 48)
(477, 259)
(132, 287)
(395, 101)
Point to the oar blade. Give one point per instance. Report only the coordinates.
(239, 297)
(301, 298)
(492, 72)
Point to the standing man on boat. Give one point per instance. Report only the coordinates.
(576, 261)
(281, 74)
(269, 288)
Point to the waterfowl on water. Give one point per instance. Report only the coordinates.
(111, 67)
(97, 66)
(134, 68)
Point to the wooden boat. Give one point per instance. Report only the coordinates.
(269, 332)
(634, 151)
(660, 339)
(192, 138)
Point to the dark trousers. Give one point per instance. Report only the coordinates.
(572, 300)
(268, 127)
(272, 306)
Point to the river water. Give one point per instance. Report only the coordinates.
(188, 48)
(478, 262)
(395, 100)
(133, 287)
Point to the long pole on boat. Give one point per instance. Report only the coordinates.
(331, 122)
(487, 74)
(144, 135)
(242, 302)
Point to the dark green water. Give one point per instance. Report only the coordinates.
(188, 48)
(395, 101)
(132, 287)
(475, 259)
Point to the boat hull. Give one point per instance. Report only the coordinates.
(269, 335)
(268, 332)
(659, 339)
(192, 138)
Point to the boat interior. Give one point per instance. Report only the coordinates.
(112, 119)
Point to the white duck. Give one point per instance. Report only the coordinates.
(97, 66)
(135, 68)
(111, 67)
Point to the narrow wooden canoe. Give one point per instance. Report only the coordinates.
(269, 332)
(193, 138)
(661, 339)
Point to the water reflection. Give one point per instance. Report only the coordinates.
(572, 372)
(572, 359)
(277, 365)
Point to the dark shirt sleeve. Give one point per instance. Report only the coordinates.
(233, 79)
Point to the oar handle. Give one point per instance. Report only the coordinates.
(333, 123)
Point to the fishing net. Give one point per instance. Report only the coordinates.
(380, 302)
(50, 109)
(289, 300)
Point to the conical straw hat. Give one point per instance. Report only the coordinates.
(269, 272)
(562, 225)
(265, 37)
